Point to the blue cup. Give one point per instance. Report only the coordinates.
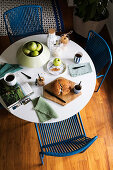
(77, 57)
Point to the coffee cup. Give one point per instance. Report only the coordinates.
(77, 88)
(78, 57)
(10, 79)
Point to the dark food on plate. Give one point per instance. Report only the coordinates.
(61, 86)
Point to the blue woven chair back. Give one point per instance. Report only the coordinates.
(23, 21)
(60, 131)
(98, 50)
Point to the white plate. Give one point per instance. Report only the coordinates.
(55, 70)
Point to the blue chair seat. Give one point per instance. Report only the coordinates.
(63, 138)
(68, 147)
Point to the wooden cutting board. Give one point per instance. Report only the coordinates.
(67, 98)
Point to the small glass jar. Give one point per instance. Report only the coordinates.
(64, 39)
(40, 81)
(51, 39)
(57, 51)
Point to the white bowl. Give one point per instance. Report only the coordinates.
(33, 62)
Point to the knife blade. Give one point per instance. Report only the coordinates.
(78, 67)
(52, 94)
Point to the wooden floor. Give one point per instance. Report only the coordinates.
(19, 147)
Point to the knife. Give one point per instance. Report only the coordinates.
(78, 67)
(55, 96)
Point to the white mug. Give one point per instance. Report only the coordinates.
(10, 79)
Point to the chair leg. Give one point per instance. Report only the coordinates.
(41, 158)
(38, 135)
(100, 84)
(81, 123)
(103, 77)
(83, 150)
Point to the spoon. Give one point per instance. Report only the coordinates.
(66, 34)
(79, 83)
(39, 77)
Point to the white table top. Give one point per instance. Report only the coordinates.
(27, 112)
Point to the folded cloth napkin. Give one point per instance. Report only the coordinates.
(43, 109)
(8, 68)
(79, 71)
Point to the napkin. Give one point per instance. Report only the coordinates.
(8, 68)
(43, 109)
(79, 71)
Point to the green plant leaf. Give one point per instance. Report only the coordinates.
(82, 10)
(92, 9)
(92, 1)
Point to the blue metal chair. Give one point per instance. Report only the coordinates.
(63, 138)
(100, 53)
(23, 21)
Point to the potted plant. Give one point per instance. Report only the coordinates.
(90, 15)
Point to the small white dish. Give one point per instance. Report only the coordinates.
(10, 79)
(55, 70)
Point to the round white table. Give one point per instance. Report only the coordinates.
(88, 80)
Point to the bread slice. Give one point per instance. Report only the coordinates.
(66, 86)
(55, 87)
(61, 86)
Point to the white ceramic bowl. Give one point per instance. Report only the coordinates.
(33, 62)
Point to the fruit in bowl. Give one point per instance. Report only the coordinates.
(26, 51)
(39, 47)
(32, 48)
(32, 54)
(57, 62)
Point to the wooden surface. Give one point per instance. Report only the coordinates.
(67, 98)
(19, 147)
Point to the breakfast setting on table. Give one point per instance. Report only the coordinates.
(47, 77)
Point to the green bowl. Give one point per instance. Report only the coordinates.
(33, 62)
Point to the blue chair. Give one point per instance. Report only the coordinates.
(63, 138)
(100, 53)
(23, 21)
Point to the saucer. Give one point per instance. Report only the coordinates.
(55, 70)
